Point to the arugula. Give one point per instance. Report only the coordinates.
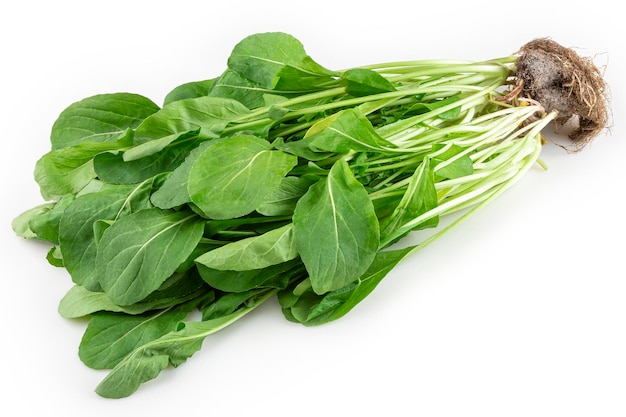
(279, 177)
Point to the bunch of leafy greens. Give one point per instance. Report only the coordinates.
(277, 178)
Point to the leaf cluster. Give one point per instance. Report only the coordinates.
(278, 177)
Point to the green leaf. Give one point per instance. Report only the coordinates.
(301, 148)
(189, 90)
(283, 200)
(109, 337)
(70, 169)
(363, 82)
(336, 230)
(306, 307)
(451, 161)
(209, 114)
(275, 276)
(233, 85)
(419, 197)
(46, 225)
(76, 227)
(155, 146)
(147, 361)
(349, 130)
(100, 118)
(421, 108)
(80, 302)
(140, 251)
(277, 61)
(21, 224)
(235, 175)
(111, 167)
(270, 248)
(228, 303)
(173, 192)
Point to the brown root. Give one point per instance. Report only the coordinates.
(561, 80)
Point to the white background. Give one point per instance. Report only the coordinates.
(519, 311)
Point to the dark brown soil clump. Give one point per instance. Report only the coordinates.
(559, 79)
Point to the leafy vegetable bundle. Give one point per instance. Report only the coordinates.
(277, 178)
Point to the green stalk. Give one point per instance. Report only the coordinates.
(491, 180)
(471, 78)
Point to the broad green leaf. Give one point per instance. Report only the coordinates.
(94, 185)
(283, 200)
(336, 230)
(420, 112)
(100, 118)
(209, 114)
(176, 288)
(21, 224)
(301, 148)
(173, 192)
(362, 82)
(229, 303)
(147, 361)
(80, 302)
(76, 227)
(322, 124)
(277, 60)
(451, 161)
(99, 227)
(311, 309)
(349, 130)
(46, 225)
(277, 112)
(189, 90)
(234, 86)
(235, 175)
(274, 100)
(155, 146)
(271, 248)
(424, 107)
(138, 367)
(419, 197)
(112, 168)
(275, 276)
(70, 169)
(109, 337)
(140, 251)
(203, 246)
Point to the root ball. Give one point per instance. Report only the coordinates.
(559, 79)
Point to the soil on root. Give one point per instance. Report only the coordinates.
(559, 79)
